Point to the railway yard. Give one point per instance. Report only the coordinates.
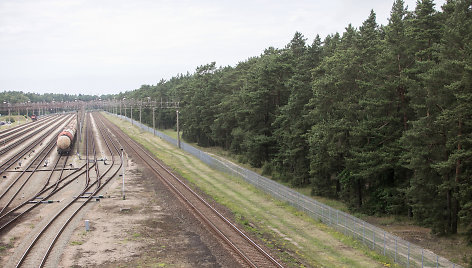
(48, 197)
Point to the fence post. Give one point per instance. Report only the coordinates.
(408, 264)
(437, 261)
(363, 232)
(329, 216)
(337, 217)
(384, 243)
(345, 223)
(359, 230)
(396, 238)
(422, 257)
(373, 240)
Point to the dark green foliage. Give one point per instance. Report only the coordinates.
(19, 97)
(291, 159)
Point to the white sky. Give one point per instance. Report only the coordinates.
(108, 46)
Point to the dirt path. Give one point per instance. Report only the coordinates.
(148, 229)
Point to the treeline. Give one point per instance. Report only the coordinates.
(21, 97)
(378, 116)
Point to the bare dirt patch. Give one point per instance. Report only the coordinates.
(148, 229)
(453, 247)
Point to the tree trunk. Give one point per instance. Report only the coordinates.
(449, 212)
(359, 193)
(455, 209)
(338, 187)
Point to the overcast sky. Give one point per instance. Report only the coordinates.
(108, 46)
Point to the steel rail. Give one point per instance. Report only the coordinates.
(38, 236)
(23, 139)
(8, 163)
(34, 205)
(133, 144)
(87, 152)
(41, 156)
(94, 153)
(59, 213)
(101, 130)
(66, 158)
(7, 132)
(44, 188)
(19, 132)
(51, 143)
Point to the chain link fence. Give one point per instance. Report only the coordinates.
(399, 250)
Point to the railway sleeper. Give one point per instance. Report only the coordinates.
(97, 197)
(44, 201)
(57, 169)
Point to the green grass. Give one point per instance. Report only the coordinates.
(298, 239)
(453, 248)
(170, 133)
(4, 247)
(18, 121)
(219, 152)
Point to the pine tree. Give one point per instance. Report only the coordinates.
(260, 98)
(395, 59)
(290, 125)
(200, 98)
(372, 157)
(424, 142)
(450, 86)
(334, 87)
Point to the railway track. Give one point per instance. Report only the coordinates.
(24, 129)
(17, 184)
(13, 130)
(248, 251)
(43, 196)
(10, 191)
(11, 204)
(39, 250)
(30, 145)
(15, 188)
(36, 253)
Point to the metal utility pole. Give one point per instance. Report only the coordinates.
(153, 121)
(131, 114)
(78, 133)
(178, 131)
(140, 111)
(123, 174)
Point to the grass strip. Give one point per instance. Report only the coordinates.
(299, 240)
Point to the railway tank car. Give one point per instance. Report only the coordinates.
(66, 138)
